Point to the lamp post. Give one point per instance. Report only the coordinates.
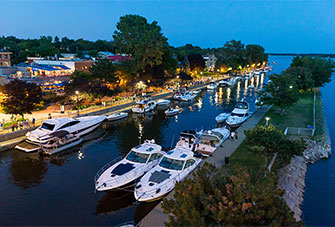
(77, 93)
(267, 121)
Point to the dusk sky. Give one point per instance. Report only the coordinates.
(278, 25)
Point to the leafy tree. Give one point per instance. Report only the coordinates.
(302, 77)
(104, 71)
(21, 97)
(228, 198)
(281, 92)
(184, 76)
(196, 62)
(255, 54)
(233, 54)
(142, 40)
(185, 64)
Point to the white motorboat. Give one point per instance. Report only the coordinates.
(61, 141)
(188, 139)
(184, 95)
(174, 167)
(144, 106)
(210, 140)
(251, 86)
(117, 116)
(196, 92)
(223, 83)
(162, 102)
(77, 126)
(123, 171)
(212, 86)
(238, 115)
(172, 111)
(221, 117)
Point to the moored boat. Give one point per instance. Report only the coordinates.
(117, 116)
(144, 106)
(222, 117)
(162, 102)
(172, 111)
(239, 114)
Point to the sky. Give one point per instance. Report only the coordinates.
(280, 26)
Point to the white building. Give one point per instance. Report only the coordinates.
(210, 61)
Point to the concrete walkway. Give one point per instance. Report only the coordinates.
(157, 217)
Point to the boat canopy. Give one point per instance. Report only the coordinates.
(60, 133)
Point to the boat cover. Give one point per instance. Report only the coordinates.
(122, 169)
(60, 133)
(159, 177)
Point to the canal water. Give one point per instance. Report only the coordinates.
(60, 190)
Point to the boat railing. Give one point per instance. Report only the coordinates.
(105, 167)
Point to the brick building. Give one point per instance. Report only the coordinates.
(5, 59)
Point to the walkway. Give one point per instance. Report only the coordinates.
(157, 217)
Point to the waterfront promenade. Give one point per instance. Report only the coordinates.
(157, 217)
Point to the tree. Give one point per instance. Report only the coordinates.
(302, 77)
(104, 71)
(232, 197)
(185, 64)
(255, 54)
(196, 62)
(281, 92)
(21, 97)
(233, 54)
(142, 40)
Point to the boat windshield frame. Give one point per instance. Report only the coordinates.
(47, 126)
(142, 159)
(241, 105)
(237, 115)
(172, 166)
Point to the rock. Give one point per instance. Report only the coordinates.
(316, 151)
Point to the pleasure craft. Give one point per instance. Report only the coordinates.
(172, 111)
(212, 86)
(77, 126)
(223, 83)
(162, 102)
(144, 106)
(187, 139)
(174, 167)
(196, 92)
(251, 86)
(222, 117)
(61, 140)
(117, 116)
(239, 114)
(123, 171)
(210, 140)
(184, 95)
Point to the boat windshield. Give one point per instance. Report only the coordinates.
(241, 105)
(137, 157)
(47, 126)
(237, 115)
(172, 164)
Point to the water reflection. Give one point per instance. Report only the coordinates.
(228, 95)
(115, 200)
(27, 171)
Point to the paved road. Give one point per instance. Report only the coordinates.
(157, 217)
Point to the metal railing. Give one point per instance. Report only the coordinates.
(105, 167)
(299, 131)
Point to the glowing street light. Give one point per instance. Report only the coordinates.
(267, 120)
(77, 93)
(291, 86)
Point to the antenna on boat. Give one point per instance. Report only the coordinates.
(172, 141)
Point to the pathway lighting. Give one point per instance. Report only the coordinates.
(267, 120)
(77, 93)
(291, 86)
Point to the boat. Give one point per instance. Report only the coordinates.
(196, 92)
(122, 171)
(210, 140)
(117, 116)
(212, 86)
(144, 106)
(221, 117)
(61, 141)
(183, 94)
(77, 126)
(223, 83)
(162, 102)
(251, 86)
(174, 167)
(188, 139)
(172, 111)
(239, 114)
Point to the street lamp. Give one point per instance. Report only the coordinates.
(77, 93)
(291, 86)
(267, 120)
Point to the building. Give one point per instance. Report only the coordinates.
(210, 61)
(14, 72)
(68, 65)
(5, 59)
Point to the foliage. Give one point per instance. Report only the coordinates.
(255, 54)
(269, 140)
(196, 62)
(301, 76)
(281, 91)
(233, 198)
(184, 76)
(186, 50)
(103, 70)
(233, 54)
(21, 97)
(320, 68)
(185, 64)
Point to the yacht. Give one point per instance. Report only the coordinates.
(239, 114)
(212, 86)
(61, 140)
(187, 139)
(122, 171)
(162, 102)
(174, 167)
(77, 126)
(222, 117)
(144, 106)
(184, 95)
(172, 111)
(117, 116)
(210, 140)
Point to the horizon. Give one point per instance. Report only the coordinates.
(279, 26)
